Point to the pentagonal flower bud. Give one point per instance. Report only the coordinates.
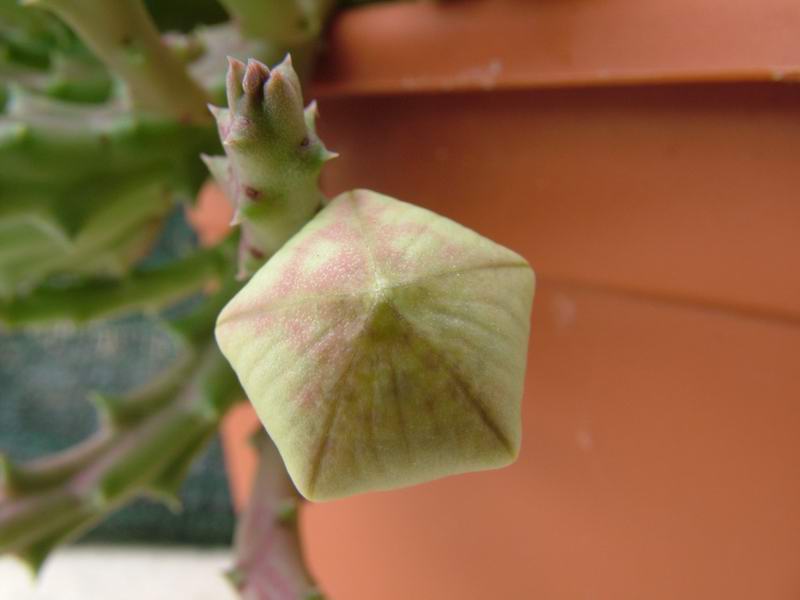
(383, 346)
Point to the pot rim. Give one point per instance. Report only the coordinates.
(467, 45)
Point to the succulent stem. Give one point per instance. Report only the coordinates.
(122, 34)
(267, 545)
(272, 160)
(143, 289)
(145, 446)
(284, 22)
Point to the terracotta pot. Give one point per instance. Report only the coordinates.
(659, 207)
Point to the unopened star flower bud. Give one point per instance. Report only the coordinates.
(383, 346)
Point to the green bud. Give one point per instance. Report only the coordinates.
(383, 346)
(272, 160)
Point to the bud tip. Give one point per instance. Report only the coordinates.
(255, 77)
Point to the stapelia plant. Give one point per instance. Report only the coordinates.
(380, 344)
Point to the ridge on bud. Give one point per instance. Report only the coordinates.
(255, 76)
(273, 157)
(383, 346)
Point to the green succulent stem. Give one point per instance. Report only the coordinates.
(270, 173)
(267, 546)
(147, 290)
(87, 188)
(273, 157)
(144, 446)
(122, 34)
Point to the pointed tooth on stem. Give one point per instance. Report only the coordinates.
(218, 166)
(215, 110)
(311, 114)
(233, 81)
(33, 559)
(255, 77)
(223, 118)
(286, 69)
(236, 578)
(285, 105)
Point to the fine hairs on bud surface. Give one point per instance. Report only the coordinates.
(272, 160)
(383, 346)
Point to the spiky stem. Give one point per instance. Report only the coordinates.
(273, 157)
(122, 34)
(142, 290)
(145, 446)
(268, 549)
(270, 172)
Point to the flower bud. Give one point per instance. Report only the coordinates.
(383, 346)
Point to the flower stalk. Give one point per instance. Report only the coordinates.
(268, 549)
(272, 160)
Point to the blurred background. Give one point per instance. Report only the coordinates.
(643, 157)
(47, 377)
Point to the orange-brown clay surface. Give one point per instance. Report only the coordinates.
(661, 445)
(490, 44)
